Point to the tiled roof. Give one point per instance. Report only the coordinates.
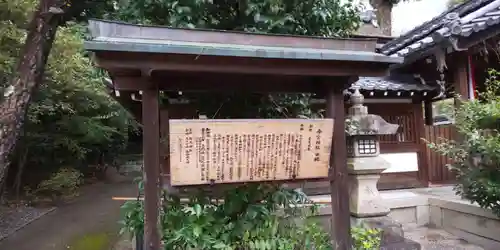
(460, 21)
(393, 83)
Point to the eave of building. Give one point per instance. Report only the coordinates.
(422, 32)
(472, 22)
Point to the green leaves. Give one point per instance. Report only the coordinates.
(256, 217)
(366, 238)
(476, 158)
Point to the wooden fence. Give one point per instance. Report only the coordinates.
(436, 163)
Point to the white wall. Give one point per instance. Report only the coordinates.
(401, 162)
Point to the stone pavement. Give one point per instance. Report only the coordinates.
(437, 239)
(92, 217)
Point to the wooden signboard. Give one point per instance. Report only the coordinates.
(231, 151)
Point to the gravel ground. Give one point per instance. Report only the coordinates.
(14, 218)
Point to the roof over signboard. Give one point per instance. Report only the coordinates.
(117, 36)
(450, 28)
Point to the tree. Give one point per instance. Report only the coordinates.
(29, 72)
(476, 159)
(329, 18)
(452, 3)
(30, 69)
(384, 13)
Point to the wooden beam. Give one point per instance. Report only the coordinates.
(220, 83)
(340, 221)
(151, 154)
(239, 65)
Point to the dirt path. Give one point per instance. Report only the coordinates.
(90, 222)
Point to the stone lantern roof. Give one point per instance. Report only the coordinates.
(359, 122)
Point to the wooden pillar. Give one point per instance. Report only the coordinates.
(423, 163)
(151, 154)
(428, 113)
(460, 76)
(460, 84)
(340, 221)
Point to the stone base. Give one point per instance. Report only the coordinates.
(365, 200)
(392, 232)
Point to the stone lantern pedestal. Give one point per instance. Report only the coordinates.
(365, 200)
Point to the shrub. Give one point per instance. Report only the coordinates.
(62, 184)
(476, 156)
(255, 217)
(366, 238)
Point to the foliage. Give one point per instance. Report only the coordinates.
(444, 108)
(476, 157)
(452, 3)
(72, 116)
(251, 217)
(71, 120)
(14, 16)
(329, 18)
(63, 184)
(133, 213)
(366, 238)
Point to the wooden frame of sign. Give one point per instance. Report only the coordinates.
(248, 150)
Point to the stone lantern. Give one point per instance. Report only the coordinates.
(364, 163)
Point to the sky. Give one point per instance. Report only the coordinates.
(407, 15)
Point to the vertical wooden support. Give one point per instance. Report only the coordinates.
(460, 84)
(460, 76)
(151, 154)
(428, 113)
(423, 162)
(340, 221)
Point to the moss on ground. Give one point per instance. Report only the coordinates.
(96, 241)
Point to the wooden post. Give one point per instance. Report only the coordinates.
(460, 84)
(340, 221)
(422, 160)
(428, 113)
(151, 154)
(460, 76)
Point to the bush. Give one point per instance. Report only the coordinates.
(476, 157)
(366, 238)
(62, 184)
(253, 217)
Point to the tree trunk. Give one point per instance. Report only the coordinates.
(20, 171)
(384, 15)
(28, 75)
